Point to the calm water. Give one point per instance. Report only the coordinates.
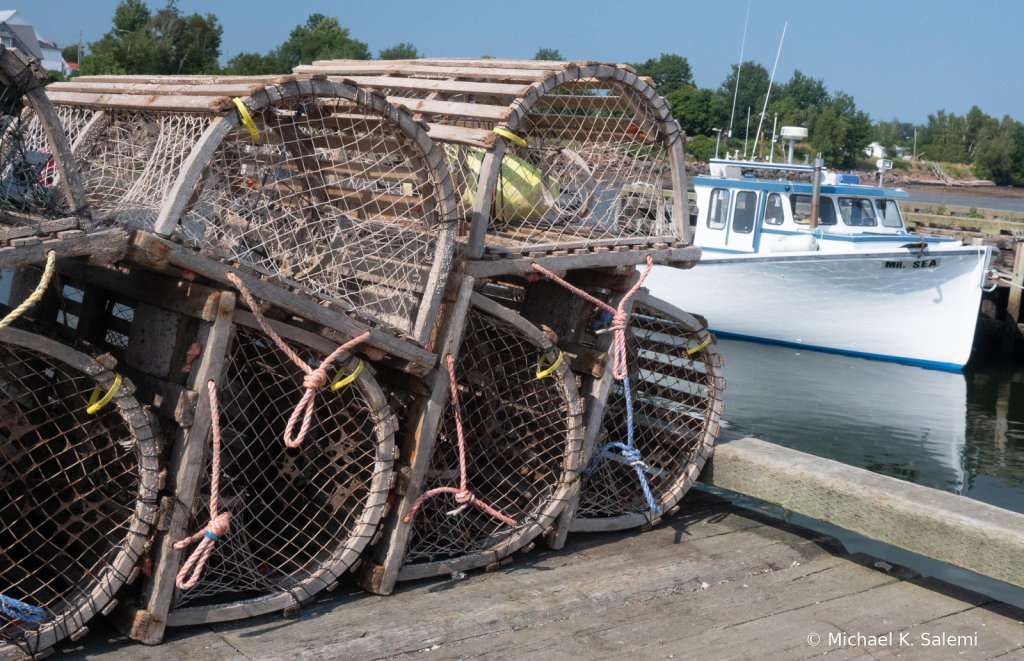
(962, 433)
(982, 202)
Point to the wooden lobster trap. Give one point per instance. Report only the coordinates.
(676, 400)
(300, 516)
(549, 158)
(320, 188)
(79, 476)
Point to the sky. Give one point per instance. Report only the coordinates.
(898, 58)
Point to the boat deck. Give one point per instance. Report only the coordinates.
(716, 581)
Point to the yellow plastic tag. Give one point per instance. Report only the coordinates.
(505, 133)
(699, 346)
(541, 372)
(243, 112)
(94, 405)
(340, 383)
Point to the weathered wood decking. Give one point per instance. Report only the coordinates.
(769, 585)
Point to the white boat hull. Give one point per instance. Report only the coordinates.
(852, 303)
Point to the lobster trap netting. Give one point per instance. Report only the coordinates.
(676, 388)
(77, 489)
(299, 517)
(28, 193)
(523, 443)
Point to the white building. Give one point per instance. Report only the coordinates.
(875, 150)
(16, 32)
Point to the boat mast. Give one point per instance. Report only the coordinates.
(766, 97)
(736, 87)
(747, 136)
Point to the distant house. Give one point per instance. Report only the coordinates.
(875, 150)
(16, 32)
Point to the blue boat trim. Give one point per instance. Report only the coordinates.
(927, 364)
(865, 237)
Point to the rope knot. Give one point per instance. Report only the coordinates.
(221, 524)
(315, 379)
(465, 497)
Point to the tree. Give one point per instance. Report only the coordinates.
(698, 110)
(402, 51)
(100, 64)
(805, 91)
(702, 148)
(321, 38)
(551, 54)
(754, 80)
(196, 43)
(254, 64)
(70, 53)
(996, 150)
(828, 135)
(670, 72)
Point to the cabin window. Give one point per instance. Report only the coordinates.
(743, 212)
(889, 212)
(802, 210)
(857, 212)
(719, 211)
(773, 212)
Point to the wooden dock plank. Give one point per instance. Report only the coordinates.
(622, 595)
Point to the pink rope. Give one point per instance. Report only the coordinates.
(619, 316)
(463, 496)
(219, 523)
(190, 356)
(315, 378)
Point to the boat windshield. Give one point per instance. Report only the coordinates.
(889, 212)
(802, 210)
(857, 212)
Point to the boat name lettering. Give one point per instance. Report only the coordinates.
(911, 264)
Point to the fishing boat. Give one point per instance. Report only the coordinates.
(850, 279)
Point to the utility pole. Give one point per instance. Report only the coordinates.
(915, 143)
(79, 51)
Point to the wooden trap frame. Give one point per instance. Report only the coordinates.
(676, 388)
(551, 159)
(300, 517)
(78, 487)
(319, 187)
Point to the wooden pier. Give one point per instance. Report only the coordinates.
(713, 581)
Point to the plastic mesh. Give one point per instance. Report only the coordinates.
(673, 395)
(295, 512)
(523, 439)
(69, 486)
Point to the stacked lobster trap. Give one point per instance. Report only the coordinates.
(375, 316)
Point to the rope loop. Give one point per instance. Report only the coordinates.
(340, 382)
(314, 379)
(505, 133)
(243, 114)
(541, 372)
(463, 495)
(19, 610)
(95, 406)
(44, 282)
(219, 523)
(690, 352)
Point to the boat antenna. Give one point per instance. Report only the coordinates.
(736, 87)
(765, 109)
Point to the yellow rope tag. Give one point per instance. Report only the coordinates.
(505, 133)
(243, 112)
(541, 372)
(340, 383)
(95, 406)
(699, 346)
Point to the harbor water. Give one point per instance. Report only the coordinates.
(958, 432)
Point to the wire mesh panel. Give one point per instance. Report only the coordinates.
(318, 185)
(591, 157)
(77, 489)
(676, 387)
(299, 517)
(523, 442)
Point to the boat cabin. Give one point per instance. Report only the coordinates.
(738, 213)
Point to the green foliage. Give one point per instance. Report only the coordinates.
(321, 38)
(941, 210)
(550, 54)
(51, 77)
(828, 135)
(754, 80)
(254, 64)
(70, 54)
(974, 213)
(698, 110)
(806, 92)
(702, 148)
(900, 164)
(165, 42)
(100, 64)
(403, 51)
(670, 72)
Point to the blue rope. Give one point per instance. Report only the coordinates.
(17, 610)
(629, 452)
